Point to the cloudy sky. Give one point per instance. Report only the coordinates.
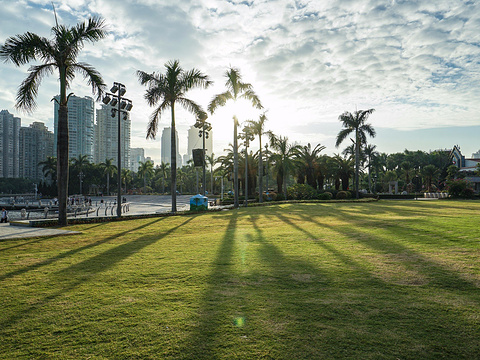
(417, 63)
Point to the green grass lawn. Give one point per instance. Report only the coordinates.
(385, 280)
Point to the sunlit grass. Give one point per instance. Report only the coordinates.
(386, 280)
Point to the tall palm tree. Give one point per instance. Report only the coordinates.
(145, 170)
(236, 89)
(258, 129)
(282, 158)
(356, 123)
(429, 172)
(49, 168)
(59, 53)
(109, 169)
(166, 90)
(307, 160)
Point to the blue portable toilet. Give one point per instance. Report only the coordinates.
(198, 202)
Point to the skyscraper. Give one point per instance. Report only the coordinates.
(166, 147)
(137, 155)
(80, 126)
(196, 142)
(9, 145)
(106, 137)
(36, 144)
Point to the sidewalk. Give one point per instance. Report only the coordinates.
(15, 232)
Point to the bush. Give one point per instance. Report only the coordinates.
(460, 188)
(301, 192)
(325, 196)
(342, 195)
(280, 197)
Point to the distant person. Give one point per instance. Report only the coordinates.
(4, 216)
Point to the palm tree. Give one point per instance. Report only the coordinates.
(212, 161)
(166, 90)
(109, 169)
(126, 177)
(145, 170)
(282, 159)
(356, 123)
(307, 160)
(258, 129)
(429, 172)
(370, 154)
(49, 168)
(236, 89)
(343, 169)
(163, 170)
(59, 53)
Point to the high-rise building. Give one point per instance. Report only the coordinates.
(36, 144)
(137, 155)
(106, 137)
(196, 142)
(9, 145)
(80, 126)
(165, 154)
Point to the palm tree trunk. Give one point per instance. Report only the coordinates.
(173, 149)
(62, 151)
(260, 172)
(108, 183)
(235, 164)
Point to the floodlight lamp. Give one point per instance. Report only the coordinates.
(125, 116)
(106, 99)
(114, 102)
(123, 104)
(114, 112)
(209, 128)
(122, 91)
(129, 106)
(199, 134)
(114, 88)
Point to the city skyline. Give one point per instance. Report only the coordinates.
(308, 62)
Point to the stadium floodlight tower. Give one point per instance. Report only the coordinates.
(123, 106)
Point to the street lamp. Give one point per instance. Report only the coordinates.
(266, 161)
(81, 175)
(123, 107)
(248, 136)
(205, 127)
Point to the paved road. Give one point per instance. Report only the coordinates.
(139, 204)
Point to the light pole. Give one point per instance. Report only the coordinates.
(123, 107)
(205, 127)
(81, 175)
(266, 166)
(247, 135)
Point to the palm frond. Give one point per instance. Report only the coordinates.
(342, 135)
(155, 118)
(28, 90)
(253, 98)
(219, 100)
(191, 106)
(93, 77)
(21, 49)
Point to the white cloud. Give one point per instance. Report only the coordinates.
(415, 62)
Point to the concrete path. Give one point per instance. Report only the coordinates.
(15, 232)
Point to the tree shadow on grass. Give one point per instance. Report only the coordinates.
(72, 252)
(106, 260)
(432, 325)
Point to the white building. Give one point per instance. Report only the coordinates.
(137, 155)
(9, 145)
(36, 144)
(466, 165)
(80, 126)
(106, 137)
(165, 156)
(196, 142)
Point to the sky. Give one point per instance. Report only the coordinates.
(417, 63)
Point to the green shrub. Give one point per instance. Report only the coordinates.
(460, 188)
(325, 196)
(301, 192)
(280, 197)
(342, 195)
